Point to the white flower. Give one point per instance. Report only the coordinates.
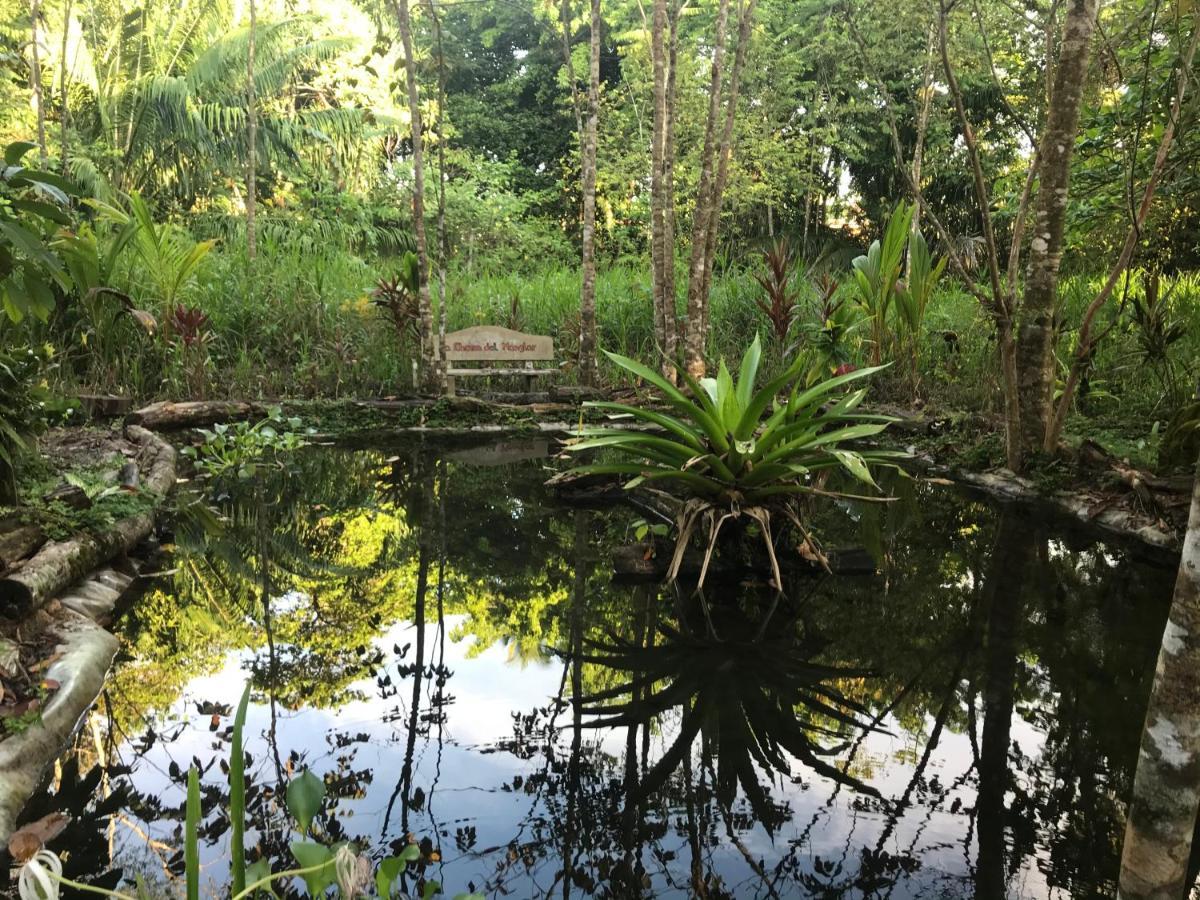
(353, 871)
(39, 877)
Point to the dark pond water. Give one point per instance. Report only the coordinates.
(447, 647)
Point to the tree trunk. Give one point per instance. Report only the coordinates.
(663, 52)
(696, 338)
(1035, 344)
(439, 135)
(657, 187)
(35, 76)
(252, 137)
(725, 152)
(670, 310)
(922, 128)
(587, 296)
(1166, 788)
(429, 379)
(63, 75)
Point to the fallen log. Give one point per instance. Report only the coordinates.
(17, 544)
(576, 393)
(59, 563)
(168, 416)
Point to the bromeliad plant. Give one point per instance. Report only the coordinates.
(715, 448)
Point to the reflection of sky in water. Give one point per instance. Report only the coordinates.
(487, 691)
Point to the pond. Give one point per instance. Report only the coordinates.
(447, 647)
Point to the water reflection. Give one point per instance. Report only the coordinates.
(446, 647)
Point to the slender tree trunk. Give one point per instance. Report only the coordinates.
(252, 150)
(696, 337)
(922, 128)
(725, 152)
(440, 137)
(424, 304)
(63, 75)
(587, 296)
(670, 310)
(1166, 788)
(1035, 343)
(657, 145)
(35, 76)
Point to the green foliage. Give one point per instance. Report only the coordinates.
(877, 276)
(305, 794)
(826, 334)
(33, 205)
(243, 447)
(1180, 446)
(27, 405)
(170, 258)
(719, 447)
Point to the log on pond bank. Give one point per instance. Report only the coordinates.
(59, 563)
(169, 416)
(19, 543)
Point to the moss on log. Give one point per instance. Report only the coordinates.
(59, 563)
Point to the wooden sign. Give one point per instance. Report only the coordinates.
(491, 342)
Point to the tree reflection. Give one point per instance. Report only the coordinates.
(825, 746)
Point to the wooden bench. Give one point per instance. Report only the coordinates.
(491, 343)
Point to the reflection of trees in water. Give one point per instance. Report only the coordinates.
(979, 619)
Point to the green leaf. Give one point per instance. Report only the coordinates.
(17, 149)
(191, 840)
(748, 373)
(387, 873)
(310, 855)
(304, 796)
(257, 871)
(237, 795)
(855, 465)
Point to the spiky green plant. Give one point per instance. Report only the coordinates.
(877, 278)
(717, 451)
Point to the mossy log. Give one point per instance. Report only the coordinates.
(167, 416)
(18, 543)
(59, 563)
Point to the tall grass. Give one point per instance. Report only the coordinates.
(298, 322)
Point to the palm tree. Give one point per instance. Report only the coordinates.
(169, 111)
